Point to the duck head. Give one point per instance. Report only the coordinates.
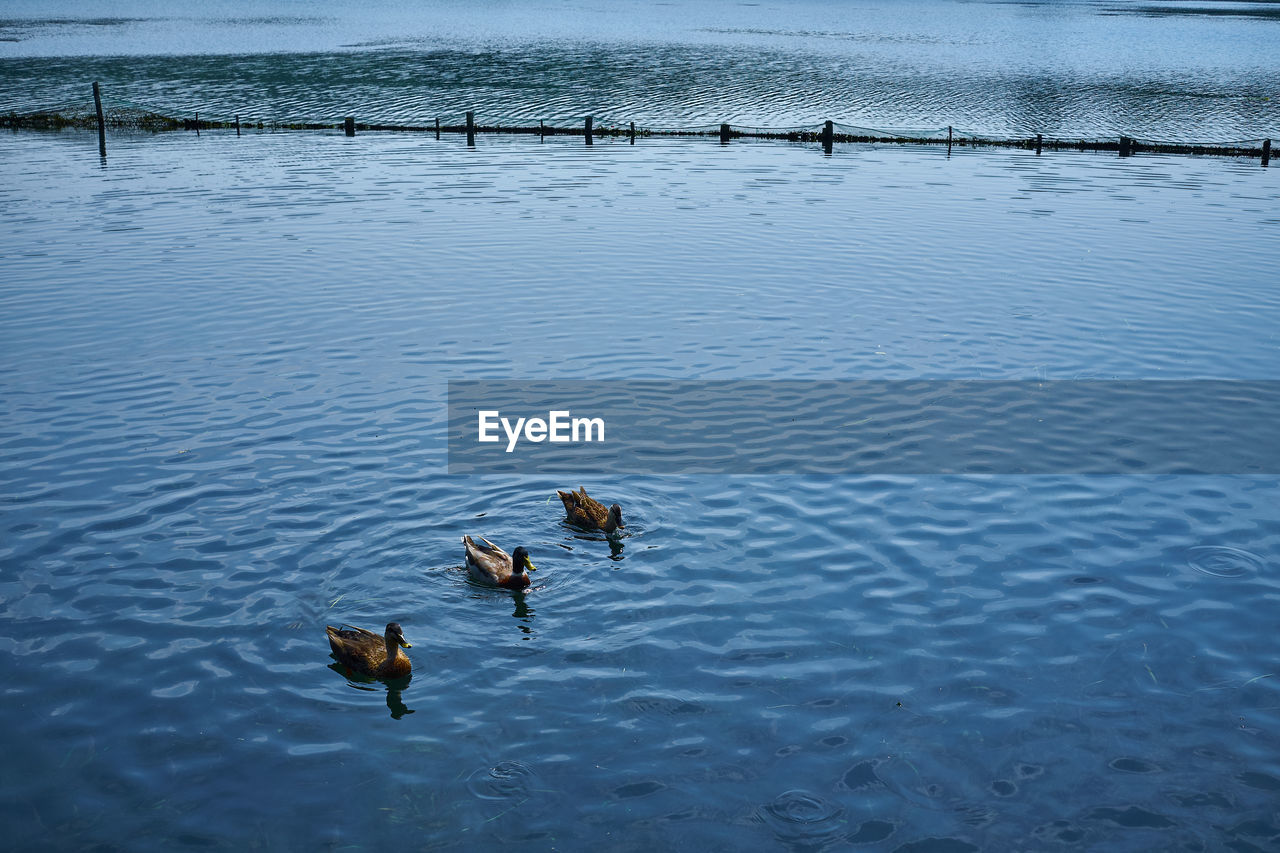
(396, 636)
(614, 521)
(520, 561)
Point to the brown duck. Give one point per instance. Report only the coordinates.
(586, 511)
(368, 654)
(490, 564)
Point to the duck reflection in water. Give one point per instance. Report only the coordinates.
(523, 612)
(394, 687)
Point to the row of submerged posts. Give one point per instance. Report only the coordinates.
(1125, 146)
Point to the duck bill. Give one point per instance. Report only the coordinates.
(405, 644)
(528, 564)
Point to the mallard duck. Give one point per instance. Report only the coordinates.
(367, 653)
(586, 511)
(490, 564)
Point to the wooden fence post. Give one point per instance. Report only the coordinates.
(102, 124)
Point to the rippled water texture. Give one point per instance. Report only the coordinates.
(223, 373)
(1155, 70)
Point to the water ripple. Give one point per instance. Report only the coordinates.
(1221, 561)
(506, 780)
(886, 81)
(802, 818)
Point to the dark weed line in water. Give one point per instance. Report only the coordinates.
(157, 122)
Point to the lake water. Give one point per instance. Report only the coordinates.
(1153, 69)
(223, 378)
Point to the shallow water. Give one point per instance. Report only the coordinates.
(1155, 70)
(224, 367)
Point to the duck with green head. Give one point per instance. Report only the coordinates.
(491, 565)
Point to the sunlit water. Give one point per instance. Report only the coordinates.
(224, 366)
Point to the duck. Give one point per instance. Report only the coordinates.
(585, 511)
(369, 654)
(490, 564)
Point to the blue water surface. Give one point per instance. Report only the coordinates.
(1152, 69)
(224, 368)
(223, 374)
